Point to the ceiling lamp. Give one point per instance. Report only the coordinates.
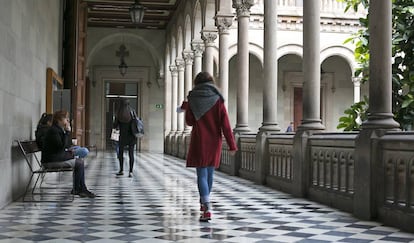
(137, 12)
(123, 67)
(122, 53)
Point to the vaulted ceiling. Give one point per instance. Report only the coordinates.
(115, 13)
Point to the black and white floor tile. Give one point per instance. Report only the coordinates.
(160, 204)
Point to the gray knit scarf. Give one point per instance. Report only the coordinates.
(202, 98)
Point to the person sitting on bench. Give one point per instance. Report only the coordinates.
(57, 153)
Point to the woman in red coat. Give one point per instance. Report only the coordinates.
(206, 113)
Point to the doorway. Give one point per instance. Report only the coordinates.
(114, 91)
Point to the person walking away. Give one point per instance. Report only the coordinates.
(57, 153)
(126, 137)
(206, 113)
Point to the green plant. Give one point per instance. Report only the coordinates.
(402, 52)
(354, 116)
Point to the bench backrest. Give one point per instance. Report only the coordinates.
(28, 148)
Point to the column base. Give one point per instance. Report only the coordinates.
(241, 129)
(381, 121)
(270, 127)
(315, 124)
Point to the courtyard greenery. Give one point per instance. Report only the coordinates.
(402, 67)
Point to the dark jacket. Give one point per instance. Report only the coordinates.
(125, 133)
(40, 135)
(55, 144)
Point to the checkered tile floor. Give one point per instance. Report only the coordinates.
(160, 204)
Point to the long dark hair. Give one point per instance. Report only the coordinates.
(124, 111)
(44, 120)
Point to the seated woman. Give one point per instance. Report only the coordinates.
(43, 125)
(57, 153)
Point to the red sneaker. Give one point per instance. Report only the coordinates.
(205, 216)
(202, 208)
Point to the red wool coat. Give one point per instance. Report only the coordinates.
(207, 134)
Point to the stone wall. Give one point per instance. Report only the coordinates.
(29, 43)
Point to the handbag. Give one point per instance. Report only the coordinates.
(115, 134)
(137, 125)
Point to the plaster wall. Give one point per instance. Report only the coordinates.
(29, 43)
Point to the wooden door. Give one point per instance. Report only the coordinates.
(75, 23)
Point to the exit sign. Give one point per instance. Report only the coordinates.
(159, 106)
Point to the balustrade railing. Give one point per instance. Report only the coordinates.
(332, 162)
(396, 156)
(280, 157)
(247, 156)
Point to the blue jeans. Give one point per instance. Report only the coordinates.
(78, 171)
(80, 152)
(205, 182)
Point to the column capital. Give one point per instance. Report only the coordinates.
(179, 62)
(198, 47)
(173, 70)
(243, 7)
(223, 22)
(188, 57)
(209, 36)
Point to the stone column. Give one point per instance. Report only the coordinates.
(188, 59)
(198, 48)
(380, 73)
(209, 36)
(380, 119)
(179, 62)
(357, 89)
(223, 22)
(174, 89)
(311, 67)
(270, 67)
(243, 17)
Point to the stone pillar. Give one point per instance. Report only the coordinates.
(179, 62)
(311, 67)
(174, 89)
(380, 73)
(357, 89)
(209, 36)
(224, 21)
(380, 119)
(269, 123)
(198, 48)
(270, 67)
(243, 17)
(188, 59)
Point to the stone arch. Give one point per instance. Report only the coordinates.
(128, 38)
(173, 51)
(254, 49)
(209, 13)
(197, 21)
(187, 33)
(341, 51)
(180, 42)
(294, 49)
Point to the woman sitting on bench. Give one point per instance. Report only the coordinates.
(57, 153)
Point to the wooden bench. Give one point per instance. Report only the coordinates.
(29, 150)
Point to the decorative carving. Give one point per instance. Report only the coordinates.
(198, 48)
(188, 57)
(173, 69)
(223, 23)
(243, 7)
(209, 36)
(179, 62)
